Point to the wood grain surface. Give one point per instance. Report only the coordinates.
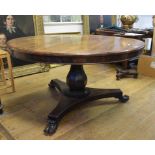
(25, 111)
(75, 49)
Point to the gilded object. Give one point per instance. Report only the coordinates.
(86, 29)
(38, 25)
(35, 67)
(128, 21)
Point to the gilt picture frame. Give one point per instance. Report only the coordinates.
(30, 25)
(36, 24)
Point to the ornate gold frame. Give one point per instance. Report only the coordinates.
(36, 67)
(113, 19)
(86, 29)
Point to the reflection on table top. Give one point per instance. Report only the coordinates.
(79, 45)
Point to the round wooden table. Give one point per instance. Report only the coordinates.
(76, 50)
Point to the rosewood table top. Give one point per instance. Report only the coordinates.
(76, 49)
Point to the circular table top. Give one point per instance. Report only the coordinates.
(75, 49)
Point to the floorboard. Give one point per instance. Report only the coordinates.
(26, 110)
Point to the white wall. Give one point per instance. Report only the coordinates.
(144, 21)
(63, 27)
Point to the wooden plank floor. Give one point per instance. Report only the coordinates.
(26, 110)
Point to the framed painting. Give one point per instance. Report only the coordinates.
(23, 25)
(100, 21)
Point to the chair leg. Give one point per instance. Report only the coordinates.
(3, 72)
(11, 72)
(1, 107)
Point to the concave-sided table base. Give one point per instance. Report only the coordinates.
(74, 93)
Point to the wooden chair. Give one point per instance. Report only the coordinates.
(5, 56)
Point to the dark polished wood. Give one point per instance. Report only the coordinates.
(144, 33)
(126, 70)
(112, 32)
(120, 73)
(67, 102)
(76, 50)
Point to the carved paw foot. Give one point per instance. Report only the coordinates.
(124, 98)
(51, 127)
(51, 84)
